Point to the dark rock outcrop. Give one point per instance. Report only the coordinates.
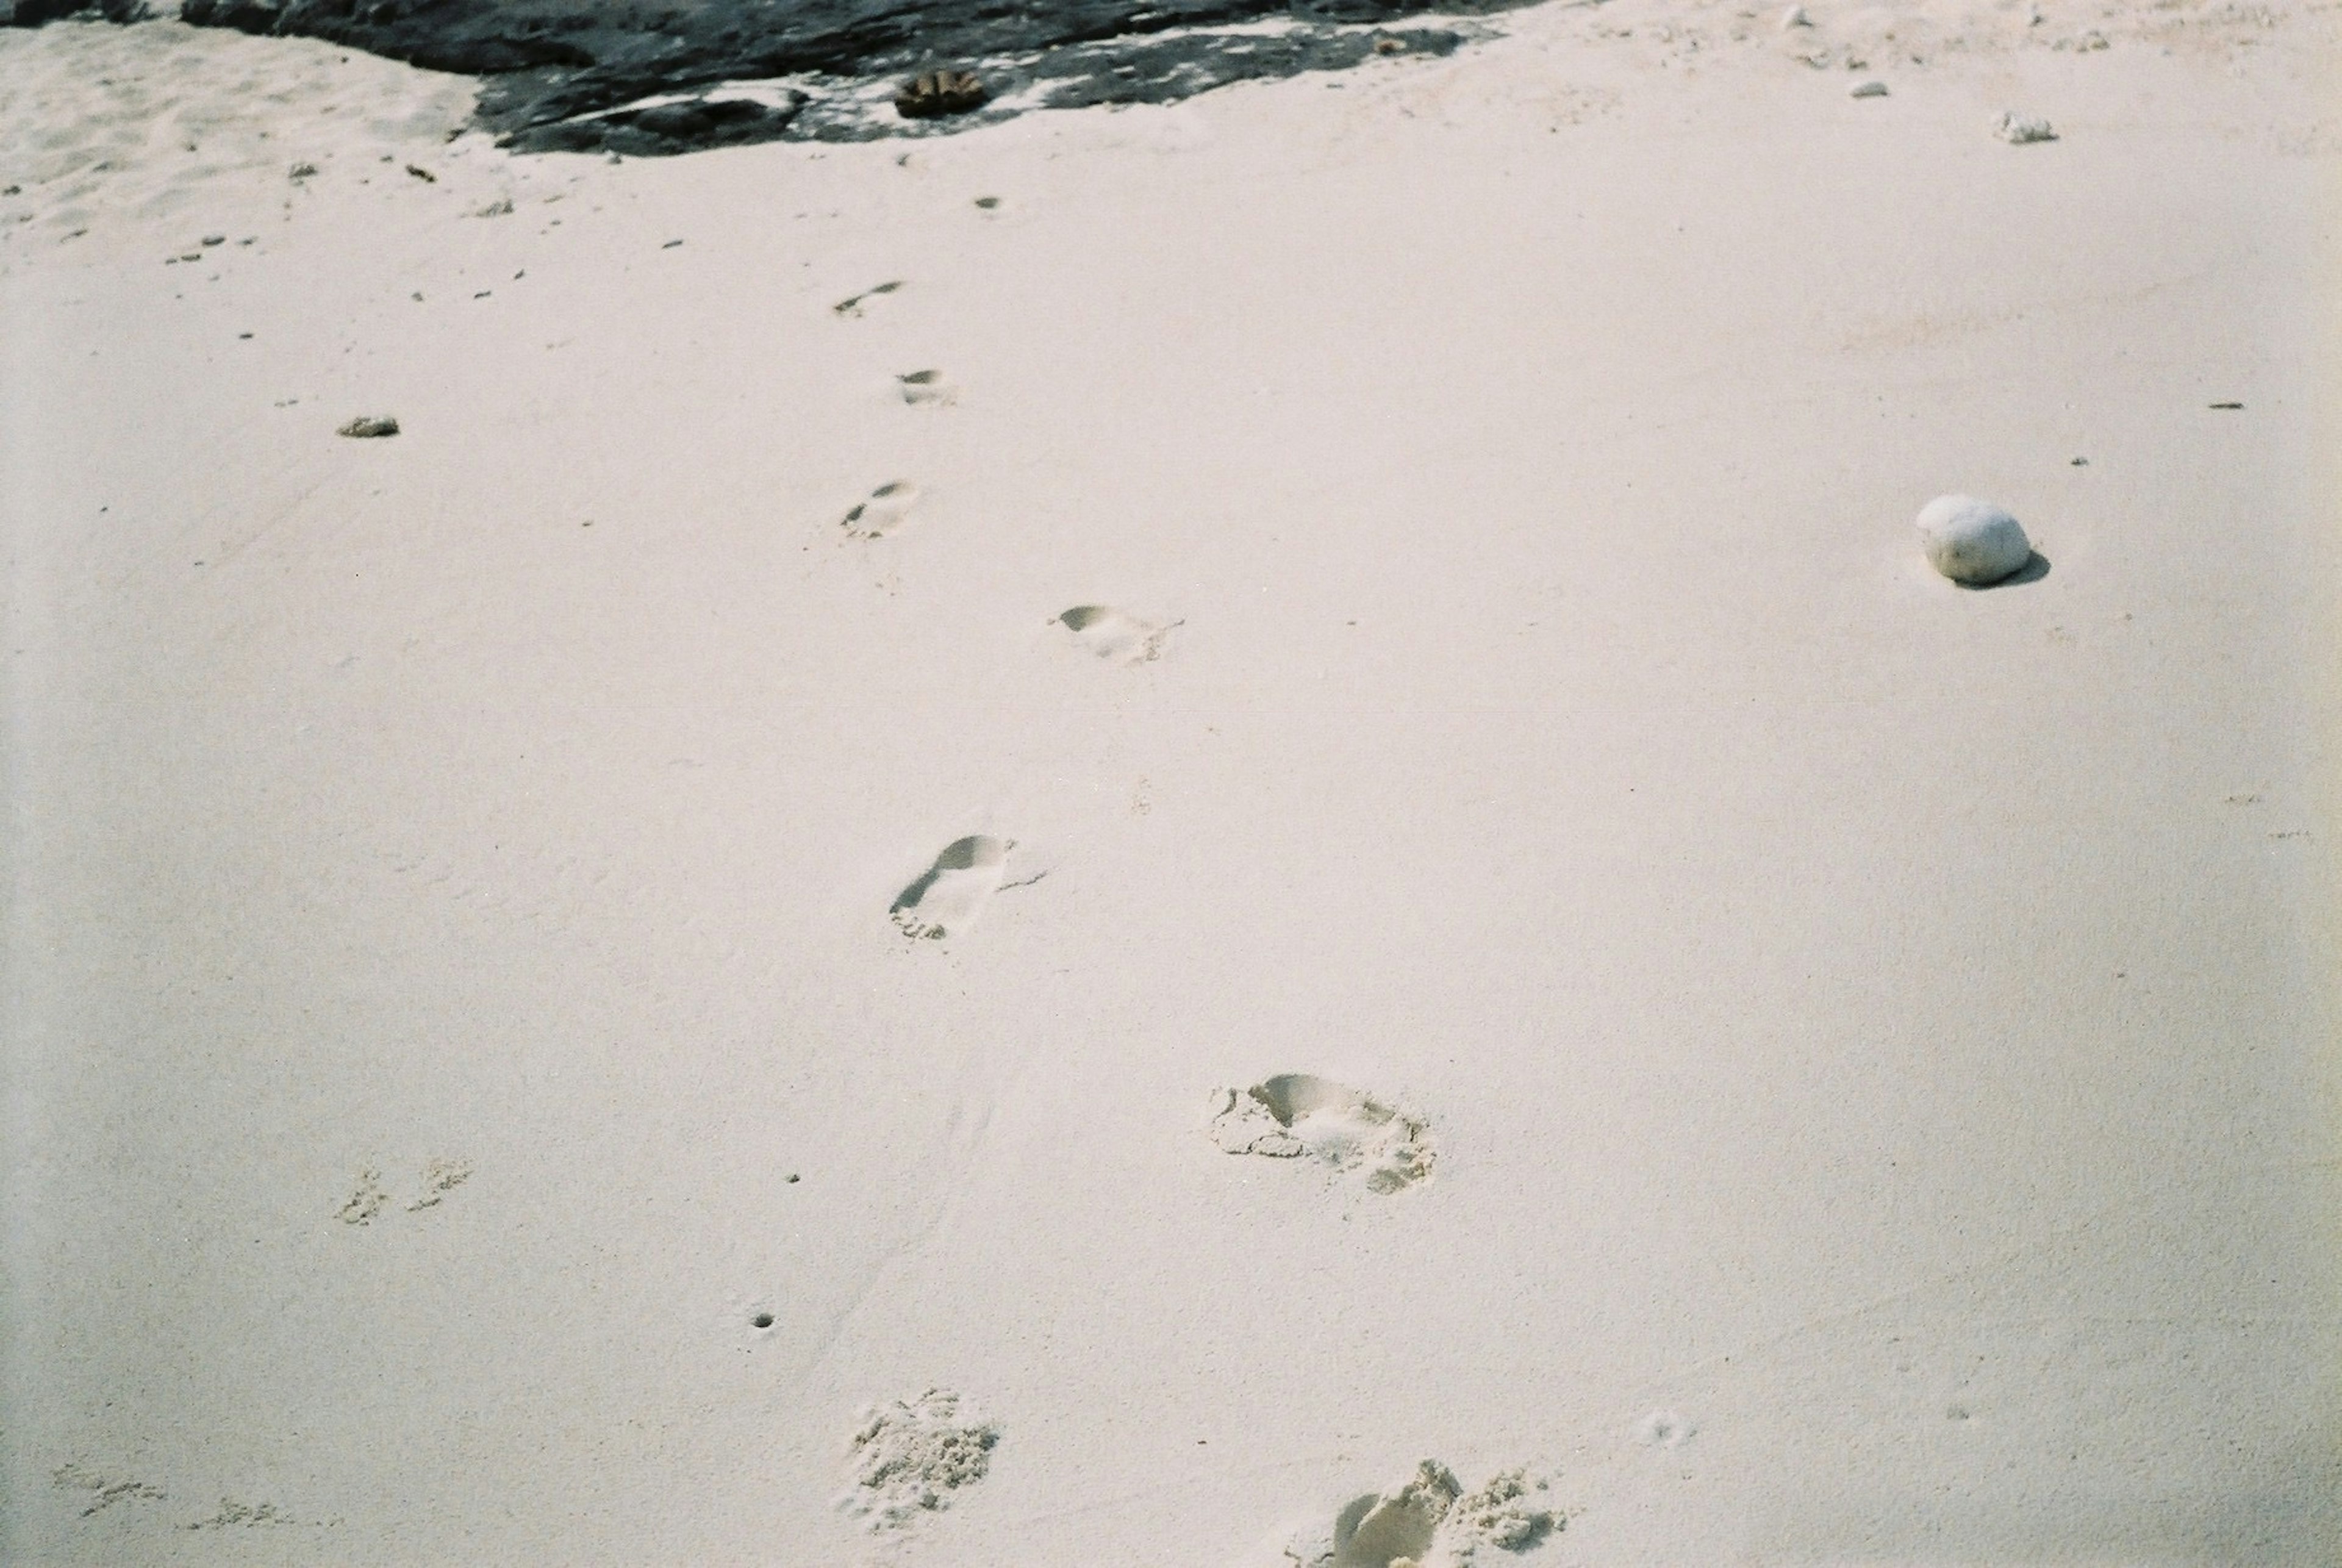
(564, 73)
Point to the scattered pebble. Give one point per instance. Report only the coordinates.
(366, 427)
(2223, 406)
(987, 203)
(670, 245)
(2018, 129)
(1867, 90)
(1972, 541)
(241, 335)
(215, 239)
(301, 171)
(497, 209)
(426, 176)
(1794, 16)
(2080, 462)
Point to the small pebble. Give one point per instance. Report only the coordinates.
(1972, 541)
(215, 239)
(368, 427)
(1794, 16)
(1867, 90)
(2080, 462)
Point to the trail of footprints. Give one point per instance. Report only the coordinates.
(908, 1458)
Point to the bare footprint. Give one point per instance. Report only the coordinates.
(852, 307)
(883, 511)
(926, 389)
(1432, 1523)
(440, 1177)
(1116, 635)
(1295, 1114)
(910, 1457)
(950, 894)
(365, 1200)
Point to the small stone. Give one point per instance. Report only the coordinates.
(1867, 90)
(1794, 16)
(368, 427)
(1972, 541)
(215, 239)
(301, 171)
(2018, 129)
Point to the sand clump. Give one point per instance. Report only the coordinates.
(911, 1456)
(2018, 129)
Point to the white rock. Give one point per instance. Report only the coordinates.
(2018, 129)
(1972, 541)
(1867, 90)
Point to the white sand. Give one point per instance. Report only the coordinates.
(1878, 1036)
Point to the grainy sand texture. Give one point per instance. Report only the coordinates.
(1244, 833)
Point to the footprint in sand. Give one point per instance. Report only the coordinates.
(369, 1197)
(1295, 1114)
(1116, 635)
(1432, 1523)
(910, 1457)
(883, 511)
(926, 389)
(440, 1177)
(950, 894)
(852, 307)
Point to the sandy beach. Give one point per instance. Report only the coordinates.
(1238, 834)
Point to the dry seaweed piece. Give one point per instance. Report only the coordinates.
(939, 92)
